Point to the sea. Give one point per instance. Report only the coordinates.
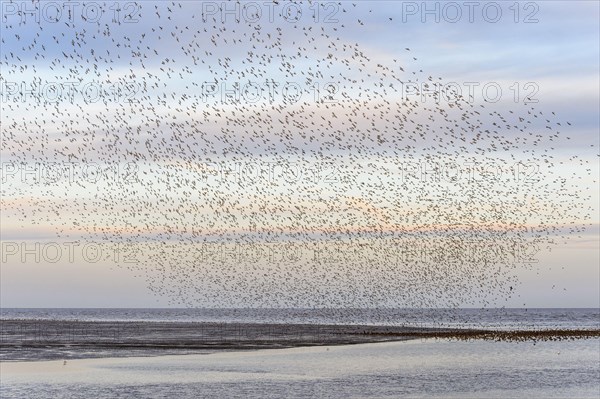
(423, 368)
(489, 318)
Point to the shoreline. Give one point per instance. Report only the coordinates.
(38, 340)
(385, 369)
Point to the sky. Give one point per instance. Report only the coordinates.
(184, 168)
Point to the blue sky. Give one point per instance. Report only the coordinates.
(558, 56)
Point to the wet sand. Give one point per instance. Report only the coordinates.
(52, 340)
(432, 368)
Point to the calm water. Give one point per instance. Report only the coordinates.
(430, 369)
(415, 369)
(482, 318)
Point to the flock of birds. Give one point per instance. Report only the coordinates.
(332, 217)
